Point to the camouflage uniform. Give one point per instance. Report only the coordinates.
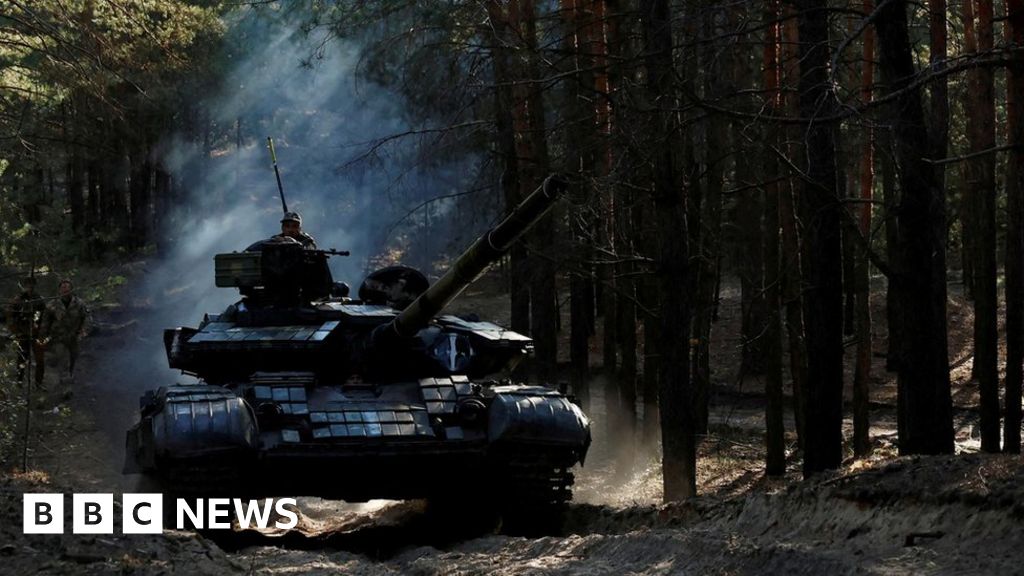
(65, 323)
(306, 240)
(24, 317)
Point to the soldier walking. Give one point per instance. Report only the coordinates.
(24, 319)
(65, 322)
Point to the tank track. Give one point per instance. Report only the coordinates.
(537, 483)
(534, 491)
(530, 476)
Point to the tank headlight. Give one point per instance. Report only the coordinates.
(472, 412)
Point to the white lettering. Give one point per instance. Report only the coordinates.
(245, 515)
(279, 506)
(218, 508)
(196, 517)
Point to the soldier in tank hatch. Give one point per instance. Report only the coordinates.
(291, 227)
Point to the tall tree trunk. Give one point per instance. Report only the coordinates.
(919, 267)
(606, 305)
(821, 210)
(615, 408)
(139, 197)
(580, 158)
(752, 306)
(648, 293)
(93, 179)
(678, 433)
(775, 441)
(609, 82)
(981, 195)
(626, 317)
(506, 108)
(847, 176)
(76, 192)
(543, 309)
(893, 321)
(706, 242)
(75, 179)
(938, 53)
(1014, 266)
(792, 266)
(114, 193)
(749, 218)
(968, 224)
(627, 341)
(162, 204)
(862, 280)
(750, 212)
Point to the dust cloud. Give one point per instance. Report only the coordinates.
(342, 168)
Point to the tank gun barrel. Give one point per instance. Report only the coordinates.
(486, 250)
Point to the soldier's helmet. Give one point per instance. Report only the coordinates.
(292, 217)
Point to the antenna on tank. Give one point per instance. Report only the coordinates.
(277, 173)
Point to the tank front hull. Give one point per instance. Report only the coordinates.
(516, 440)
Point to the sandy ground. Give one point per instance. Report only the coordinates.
(942, 515)
(934, 515)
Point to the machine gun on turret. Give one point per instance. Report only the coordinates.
(279, 271)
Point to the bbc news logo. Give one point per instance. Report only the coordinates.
(144, 513)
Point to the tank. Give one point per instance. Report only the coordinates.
(304, 390)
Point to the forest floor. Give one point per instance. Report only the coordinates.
(884, 515)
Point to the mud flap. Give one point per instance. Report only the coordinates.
(197, 420)
(534, 414)
(139, 450)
